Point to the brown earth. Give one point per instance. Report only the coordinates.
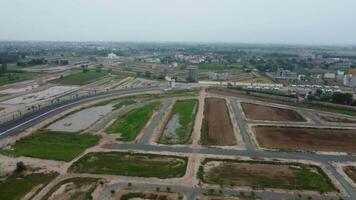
(217, 128)
(306, 139)
(351, 172)
(144, 194)
(260, 112)
(226, 198)
(327, 118)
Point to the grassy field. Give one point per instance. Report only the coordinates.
(130, 125)
(218, 66)
(125, 102)
(52, 145)
(129, 164)
(81, 78)
(259, 174)
(16, 186)
(16, 77)
(81, 190)
(186, 109)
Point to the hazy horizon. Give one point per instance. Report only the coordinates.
(200, 21)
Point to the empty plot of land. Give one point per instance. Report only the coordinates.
(260, 174)
(351, 172)
(19, 185)
(180, 124)
(73, 188)
(260, 112)
(52, 145)
(328, 118)
(129, 164)
(80, 120)
(130, 125)
(142, 194)
(216, 197)
(306, 139)
(217, 128)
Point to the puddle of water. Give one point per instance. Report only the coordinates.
(169, 133)
(81, 120)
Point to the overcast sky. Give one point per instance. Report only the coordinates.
(243, 21)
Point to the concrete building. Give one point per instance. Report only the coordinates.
(192, 75)
(350, 80)
(340, 75)
(112, 56)
(284, 74)
(329, 75)
(219, 76)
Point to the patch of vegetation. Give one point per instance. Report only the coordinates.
(123, 103)
(78, 183)
(17, 185)
(302, 177)
(82, 78)
(219, 66)
(130, 164)
(130, 125)
(138, 195)
(52, 145)
(8, 78)
(186, 109)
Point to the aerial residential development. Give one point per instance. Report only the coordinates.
(206, 120)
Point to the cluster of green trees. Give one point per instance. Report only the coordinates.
(32, 62)
(337, 97)
(148, 74)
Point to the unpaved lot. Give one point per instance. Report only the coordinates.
(328, 118)
(351, 172)
(261, 112)
(217, 128)
(144, 194)
(306, 139)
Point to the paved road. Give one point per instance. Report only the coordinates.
(30, 120)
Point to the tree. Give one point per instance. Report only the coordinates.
(20, 167)
(342, 98)
(3, 68)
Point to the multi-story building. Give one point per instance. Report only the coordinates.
(192, 75)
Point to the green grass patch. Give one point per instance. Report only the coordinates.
(81, 78)
(186, 109)
(52, 145)
(218, 66)
(130, 164)
(264, 174)
(130, 125)
(123, 103)
(16, 186)
(9, 78)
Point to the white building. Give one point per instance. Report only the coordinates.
(219, 76)
(340, 75)
(112, 56)
(350, 80)
(329, 75)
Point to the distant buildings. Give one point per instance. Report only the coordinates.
(340, 75)
(112, 56)
(283, 74)
(192, 74)
(219, 76)
(350, 80)
(329, 75)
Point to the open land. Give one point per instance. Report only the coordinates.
(180, 124)
(129, 164)
(306, 139)
(328, 118)
(73, 188)
(130, 125)
(141, 194)
(19, 185)
(259, 174)
(81, 78)
(260, 112)
(217, 128)
(351, 172)
(52, 145)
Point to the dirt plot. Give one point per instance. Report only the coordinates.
(143, 194)
(328, 118)
(73, 188)
(306, 139)
(227, 198)
(217, 128)
(260, 112)
(266, 174)
(351, 172)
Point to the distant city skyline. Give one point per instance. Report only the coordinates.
(222, 21)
